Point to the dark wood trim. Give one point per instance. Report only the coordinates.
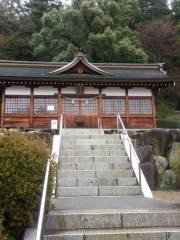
(99, 81)
(3, 107)
(46, 96)
(127, 108)
(60, 110)
(79, 96)
(154, 112)
(31, 110)
(113, 97)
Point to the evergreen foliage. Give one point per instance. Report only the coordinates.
(106, 30)
(22, 167)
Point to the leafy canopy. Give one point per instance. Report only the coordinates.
(102, 29)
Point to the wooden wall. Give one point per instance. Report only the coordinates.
(71, 121)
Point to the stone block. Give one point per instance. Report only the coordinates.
(67, 182)
(69, 159)
(119, 190)
(77, 191)
(114, 173)
(127, 181)
(151, 219)
(76, 174)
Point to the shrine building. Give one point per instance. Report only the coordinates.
(35, 93)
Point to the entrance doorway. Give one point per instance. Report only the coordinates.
(80, 112)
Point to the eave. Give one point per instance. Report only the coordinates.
(97, 81)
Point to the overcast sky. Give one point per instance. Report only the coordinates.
(68, 1)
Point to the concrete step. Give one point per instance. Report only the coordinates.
(98, 191)
(89, 141)
(95, 174)
(92, 203)
(92, 136)
(80, 131)
(93, 147)
(107, 219)
(156, 233)
(93, 153)
(94, 166)
(85, 182)
(87, 159)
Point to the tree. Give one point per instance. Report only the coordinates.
(159, 39)
(176, 9)
(10, 15)
(97, 27)
(121, 12)
(152, 9)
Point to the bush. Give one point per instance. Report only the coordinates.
(168, 124)
(3, 234)
(165, 109)
(175, 166)
(22, 167)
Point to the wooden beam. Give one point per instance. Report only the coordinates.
(60, 108)
(127, 108)
(31, 110)
(100, 106)
(154, 112)
(3, 107)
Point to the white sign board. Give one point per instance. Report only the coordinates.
(54, 124)
(50, 108)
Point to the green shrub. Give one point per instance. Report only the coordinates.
(3, 234)
(165, 108)
(175, 166)
(22, 167)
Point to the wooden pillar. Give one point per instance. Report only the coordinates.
(31, 110)
(100, 106)
(127, 108)
(60, 109)
(154, 112)
(3, 107)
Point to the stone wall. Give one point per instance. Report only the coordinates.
(156, 149)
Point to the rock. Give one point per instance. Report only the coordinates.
(161, 163)
(174, 152)
(46, 136)
(167, 180)
(150, 174)
(175, 133)
(160, 139)
(145, 153)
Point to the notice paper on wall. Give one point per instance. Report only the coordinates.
(50, 108)
(54, 124)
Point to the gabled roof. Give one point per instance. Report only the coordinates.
(80, 65)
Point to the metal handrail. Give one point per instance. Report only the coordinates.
(44, 192)
(100, 126)
(134, 159)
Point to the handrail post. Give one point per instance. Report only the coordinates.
(43, 202)
(139, 166)
(130, 153)
(135, 162)
(45, 186)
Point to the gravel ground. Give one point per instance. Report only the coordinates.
(170, 196)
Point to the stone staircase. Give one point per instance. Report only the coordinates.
(98, 197)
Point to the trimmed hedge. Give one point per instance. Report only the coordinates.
(168, 124)
(22, 167)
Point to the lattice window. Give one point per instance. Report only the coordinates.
(45, 105)
(89, 106)
(70, 106)
(140, 106)
(113, 106)
(17, 105)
